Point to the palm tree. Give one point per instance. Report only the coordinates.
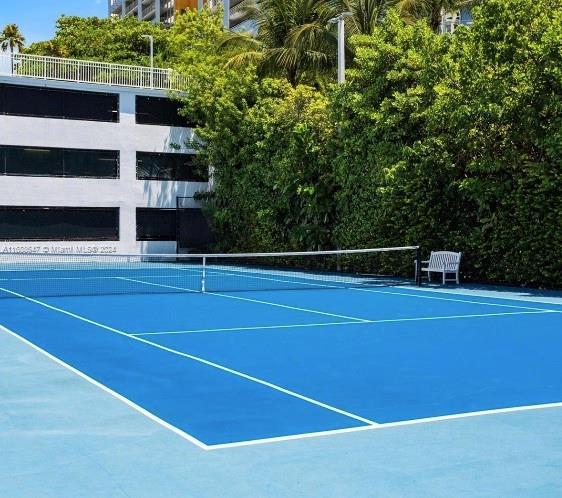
(11, 38)
(365, 14)
(292, 38)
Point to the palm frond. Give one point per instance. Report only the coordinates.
(244, 59)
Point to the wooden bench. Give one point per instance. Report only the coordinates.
(444, 262)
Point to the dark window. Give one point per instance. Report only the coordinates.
(58, 223)
(159, 111)
(89, 106)
(31, 161)
(175, 167)
(91, 163)
(33, 101)
(57, 103)
(156, 224)
(46, 161)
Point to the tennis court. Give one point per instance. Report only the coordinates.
(236, 352)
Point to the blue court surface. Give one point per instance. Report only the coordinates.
(227, 369)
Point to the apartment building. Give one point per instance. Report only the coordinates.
(165, 10)
(94, 158)
(150, 10)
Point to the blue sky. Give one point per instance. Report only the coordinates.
(36, 18)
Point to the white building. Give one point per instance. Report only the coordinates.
(149, 10)
(165, 11)
(92, 167)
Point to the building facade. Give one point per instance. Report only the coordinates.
(165, 10)
(150, 10)
(88, 167)
(451, 20)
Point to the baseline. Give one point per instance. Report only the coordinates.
(388, 425)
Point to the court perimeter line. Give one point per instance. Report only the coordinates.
(314, 283)
(306, 310)
(331, 324)
(386, 425)
(199, 360)
(108, 390)
(455, 300)
(259, 327)
(462, 291)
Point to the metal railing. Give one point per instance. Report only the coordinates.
(79, 71)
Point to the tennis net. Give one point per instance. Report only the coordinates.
(44, 275)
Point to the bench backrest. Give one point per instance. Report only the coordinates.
(445, 259)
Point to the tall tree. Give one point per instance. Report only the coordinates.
(11, 38)
(292, 38)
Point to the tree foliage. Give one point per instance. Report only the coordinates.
(278, 187)
(107, 40)
(447, 141)
(452, 142)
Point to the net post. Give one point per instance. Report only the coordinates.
(418, 266)
(203, 274)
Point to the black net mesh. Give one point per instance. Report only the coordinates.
(39, 275)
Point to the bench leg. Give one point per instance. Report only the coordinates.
(444, 279)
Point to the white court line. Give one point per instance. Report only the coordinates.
(198, 359)
(375, 291)
(314, 283)
(261, 327)
(386, 425)
(253, 442)
(239, 298)
(106, 389)
(370, 424)
(467, 292)
(332, 324)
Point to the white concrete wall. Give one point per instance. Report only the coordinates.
(127, 192)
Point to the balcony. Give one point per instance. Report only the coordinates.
(98, 73)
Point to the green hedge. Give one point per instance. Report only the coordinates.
(451, 142)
